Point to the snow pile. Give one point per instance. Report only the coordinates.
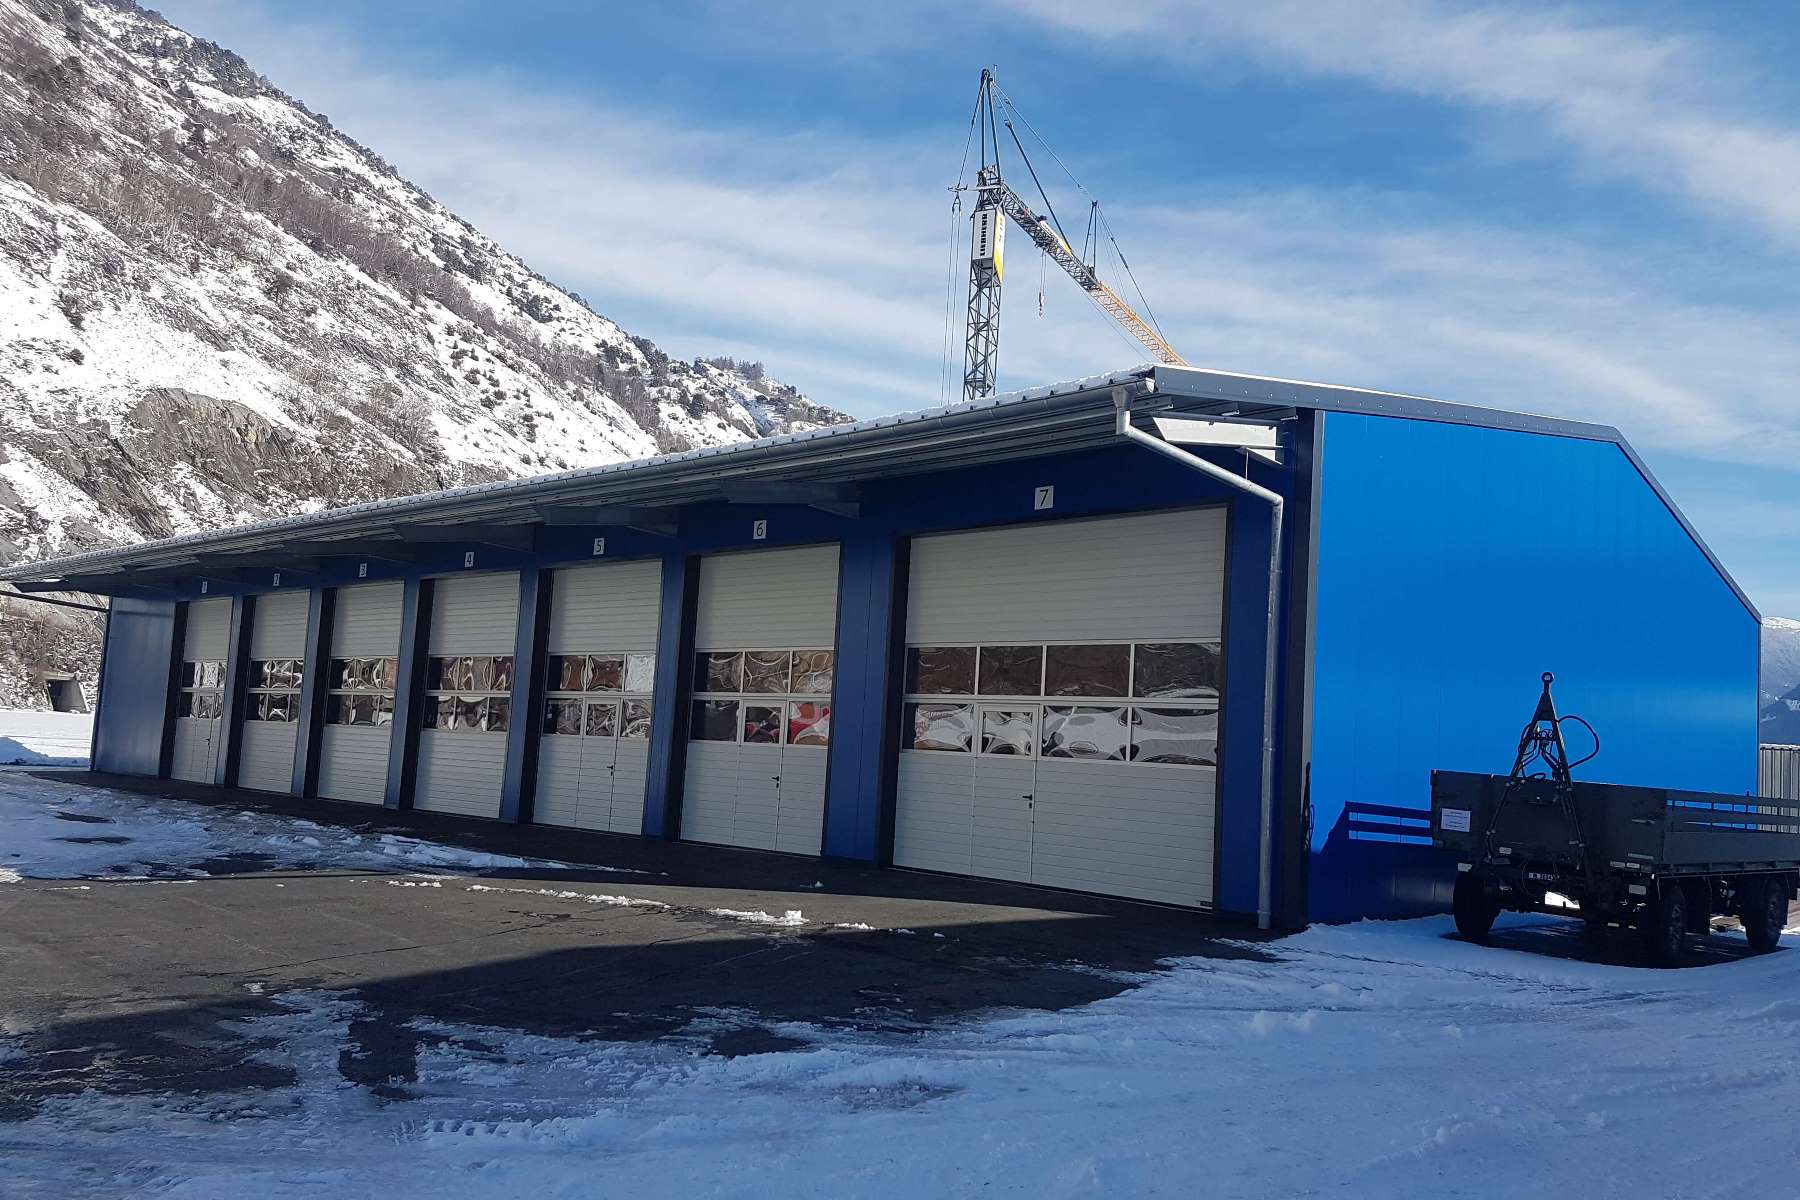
(1371, 1060)
(57, 830)
(792, 918)
(44, 739)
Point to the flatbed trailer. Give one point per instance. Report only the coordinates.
(1657, 861)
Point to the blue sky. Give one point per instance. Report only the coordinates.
(1587, 210)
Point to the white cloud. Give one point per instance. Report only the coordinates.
(1672, 112)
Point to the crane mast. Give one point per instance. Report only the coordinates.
(995, 203)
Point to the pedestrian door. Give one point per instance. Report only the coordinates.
(200, 704)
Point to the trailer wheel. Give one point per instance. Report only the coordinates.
(1664, 926)
(1764, 914)
(1474, 909)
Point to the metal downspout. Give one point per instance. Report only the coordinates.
(1122, 397)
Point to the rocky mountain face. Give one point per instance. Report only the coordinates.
(214, 308)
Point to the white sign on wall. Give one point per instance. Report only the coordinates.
(1043, 498)
(759, 531)
(599, 547)
(468, 558)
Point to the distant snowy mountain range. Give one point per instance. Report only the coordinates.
(1780, 715)
(214, 307)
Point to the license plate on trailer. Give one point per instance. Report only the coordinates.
(1540, 876)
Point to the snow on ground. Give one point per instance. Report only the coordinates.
(1377, 1060)
(1370, 1060)
(44, 739)
(65, 830)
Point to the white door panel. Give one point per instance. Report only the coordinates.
(353, 762)
(266, 760)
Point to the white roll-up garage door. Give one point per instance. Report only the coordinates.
(277, 663)
(761, 720)
(468, 698)
(1061, 714)
(200, 706)
(361, 681)
(594, 748)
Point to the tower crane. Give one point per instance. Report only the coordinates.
(995, 203)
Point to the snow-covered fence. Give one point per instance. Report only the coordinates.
(1778, 772)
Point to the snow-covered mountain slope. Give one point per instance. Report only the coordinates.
(214, 307)
(1780, 716)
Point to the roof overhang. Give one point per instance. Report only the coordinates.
(820, 467)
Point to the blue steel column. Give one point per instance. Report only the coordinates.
(525, 713)
(97, 733)
(165, 752)
(314, 686)
(409, 694)
(668, 721)
(237, 690)
(857, 823)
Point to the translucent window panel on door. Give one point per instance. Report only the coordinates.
(763, 724)
(716, 671)
(1087, 670)
(354, 709)
(1177, 736)
(945, 727)
(809, 724)
(767, 672)
(1011, 671)
(634, 725)
(605, 672)
(814, 671)
(1092, 732)
(714, 721)
(1175, 670)
(940, 671)
(566, 673)
(640, 673)
(562, 718)
(1009, 731)
(602, 720)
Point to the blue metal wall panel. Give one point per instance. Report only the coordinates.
(668, 716)
(134, 686)
(1455, 565)
(524, 713)
(860, 704)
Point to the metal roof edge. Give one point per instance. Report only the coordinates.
(421, 504)
(1328, 397)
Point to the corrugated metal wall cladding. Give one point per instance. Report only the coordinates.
(475, 614)
(208, 636)
(612, 606)
(781, 599)
(366, 620)
(1779, 773)
(278, 625)
(1139, 578)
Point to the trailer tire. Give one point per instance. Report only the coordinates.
(1764, 913)
(1474, 909)
(1664, 927)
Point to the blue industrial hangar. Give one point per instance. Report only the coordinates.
(1046, 638)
